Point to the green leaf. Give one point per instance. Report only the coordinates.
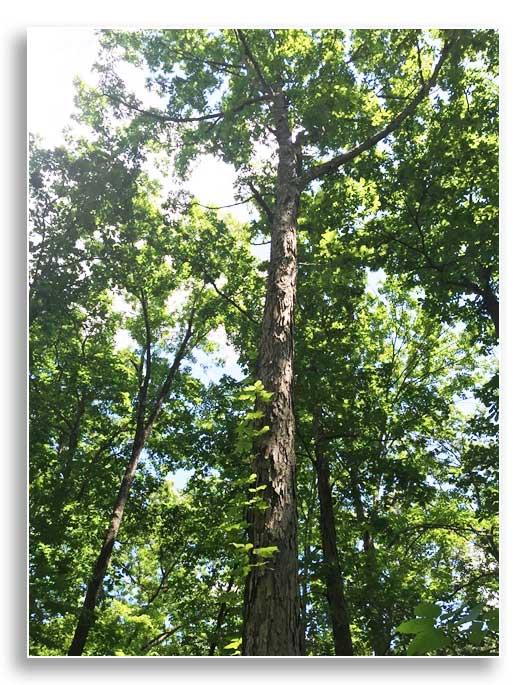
(258, 489)
(253, 415)
(428, 610)
(262, 430)
(477, 634)
(427, 641)
(416, 625)
(234, 644)
(265, 552)
(239, 545)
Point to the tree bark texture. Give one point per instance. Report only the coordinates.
(272, 616)
(332, 571)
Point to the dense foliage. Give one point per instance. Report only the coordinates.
(394, 251)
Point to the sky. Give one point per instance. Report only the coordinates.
(55, 57)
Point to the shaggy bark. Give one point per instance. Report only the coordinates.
(272, 617)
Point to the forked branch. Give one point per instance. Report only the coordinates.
(333, 164)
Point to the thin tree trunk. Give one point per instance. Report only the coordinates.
(333, 577)
(73, 443)
(379, 636)
(304, 585)
(101, 565)
(222, 611)
(379, 639)
(272, 616)
(143, 430)
(491, 304)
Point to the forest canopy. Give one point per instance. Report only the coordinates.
(334, 490)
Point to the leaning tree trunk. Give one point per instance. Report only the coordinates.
(332, 571)
(95, 584)
(272, 617)
(142, 432)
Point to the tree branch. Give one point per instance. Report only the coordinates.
(216, 116)
(259, 198)
(232, 302)
(334, 164)
(165, 388)
(143, 391)
(233, 204)
(158, 639)
(164, 575)
(242, 38)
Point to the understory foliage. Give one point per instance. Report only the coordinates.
(138, 293)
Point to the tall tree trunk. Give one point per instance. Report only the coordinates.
(272, 617)
(332, 570)
(272, 622)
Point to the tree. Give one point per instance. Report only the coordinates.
(370, 391)
(135, 260)
(432, 212)
(268, 81)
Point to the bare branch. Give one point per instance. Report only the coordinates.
(233, 204)
(259, 198)
(215, 116)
